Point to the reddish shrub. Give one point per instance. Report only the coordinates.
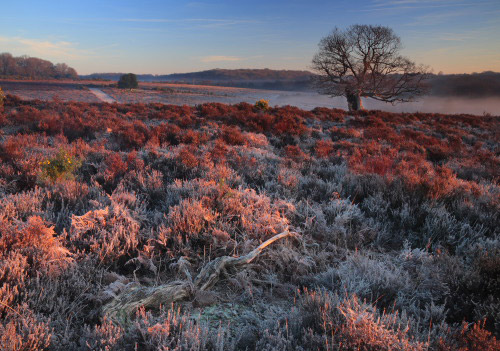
(471, 339)
(219, 151)
(257, 122)
(327, 114)
(187, 158)
(38, 243)
(50, 123)
(289, 124)
(167, 133)
(191, 137)
(215, 110)
(232, 135)
(133, 161)
(115, 165)
(323, 148)
(438, 153)
(344, 133)
(381, 165)
(13, 149)
(132, 135)
(295, 153)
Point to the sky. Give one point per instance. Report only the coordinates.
(161, 37)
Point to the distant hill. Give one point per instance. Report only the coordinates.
(485, 84)
(247, 78)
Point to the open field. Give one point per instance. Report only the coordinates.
(185, 94)
(143, 226)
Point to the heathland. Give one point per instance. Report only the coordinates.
(135, 227)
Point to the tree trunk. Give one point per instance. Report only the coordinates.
(354, 101)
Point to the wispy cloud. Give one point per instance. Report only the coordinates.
(403, 5)
(438, 18)
(458, 36)
(415, 3)
(204, 22)
(220, 58)
(43, 48)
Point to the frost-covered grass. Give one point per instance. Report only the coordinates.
(397, 220)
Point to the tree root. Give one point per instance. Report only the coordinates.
(129, 300)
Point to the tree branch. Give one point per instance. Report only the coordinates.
(122, 307)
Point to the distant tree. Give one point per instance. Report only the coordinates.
(8, 64)
(62, 70)
(364, 61)
(128, 81)
(33, 68)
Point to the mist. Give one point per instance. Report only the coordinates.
(450, 105)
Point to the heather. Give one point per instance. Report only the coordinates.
(392, 218)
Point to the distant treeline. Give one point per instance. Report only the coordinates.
(25, 67)
(486, 84)
(243, 78)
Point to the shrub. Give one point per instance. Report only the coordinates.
(24, 334)
(2, 98)
(262, 105)
(60, 167)
(295, 153)
(38, 244)
(167, 132)
(128, 81)
(289, 124)
(232, 135)
(132, 135)
(108, 233)
(323, 148)
(187, 158)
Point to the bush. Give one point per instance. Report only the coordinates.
(128, 81)
(2, 98)
(262, 105)
(60, 167)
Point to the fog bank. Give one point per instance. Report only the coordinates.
(454, 105)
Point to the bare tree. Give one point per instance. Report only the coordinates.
(364, 61)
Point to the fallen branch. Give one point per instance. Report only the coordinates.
(129, 300)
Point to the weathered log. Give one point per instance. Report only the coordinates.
(129, 300)
(210, 273)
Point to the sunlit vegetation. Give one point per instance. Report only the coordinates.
(392, 219)
(262, 104)
(2, 98)
(26, 67)
(60, 167)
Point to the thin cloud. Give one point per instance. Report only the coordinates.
(220, 58)
(208, 22)
(437, 18)
(402, 5)
(397, 6)
(412, 3)
(43, 48)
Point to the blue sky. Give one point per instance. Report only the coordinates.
(162, 37)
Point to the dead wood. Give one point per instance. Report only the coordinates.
(129, 300)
